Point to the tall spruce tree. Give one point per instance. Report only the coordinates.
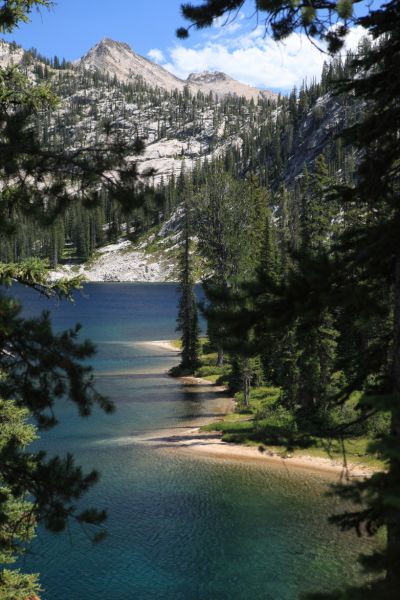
(268, 269)
(220, 219)
(187, 321)
(228, 302)
(316, 336)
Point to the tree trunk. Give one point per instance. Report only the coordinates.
(220, 359)
(54, 258)
(393, 539)
(246, 385)
(245, 380)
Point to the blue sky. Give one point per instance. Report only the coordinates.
(73, 26)
(238, 48)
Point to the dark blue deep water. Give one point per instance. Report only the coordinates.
(180, 527)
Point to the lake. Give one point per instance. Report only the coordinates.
(179, 526)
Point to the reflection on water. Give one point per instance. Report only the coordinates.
(179, 527)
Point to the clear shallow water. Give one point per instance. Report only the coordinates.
(179, 527)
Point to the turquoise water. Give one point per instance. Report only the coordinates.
(180, 527)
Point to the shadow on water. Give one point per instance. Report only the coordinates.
(186, 440)
(130, 375)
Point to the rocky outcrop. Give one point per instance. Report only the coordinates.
(10, 54)
(323, 122)
(126, 262)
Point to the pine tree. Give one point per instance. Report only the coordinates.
(228, 303)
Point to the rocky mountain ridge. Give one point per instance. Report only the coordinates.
(138, 97)
(119, 60)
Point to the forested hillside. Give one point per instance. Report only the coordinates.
(183, 133)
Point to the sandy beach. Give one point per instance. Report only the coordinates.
(191, 440)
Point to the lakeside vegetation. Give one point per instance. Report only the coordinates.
(264, 424)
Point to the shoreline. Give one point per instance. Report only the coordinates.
(195, 442)
(252, 454)
(192, 441)
(161, 344)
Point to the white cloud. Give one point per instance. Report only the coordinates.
(228, 24)
(253, 58)
(156, 55)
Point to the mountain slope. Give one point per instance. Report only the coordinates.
(112, 85)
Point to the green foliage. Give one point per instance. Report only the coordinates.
(282, 18)
(14, 11)
(222, 225)
(15, 585)
(208, 370)
(345, 8)
(17, 520)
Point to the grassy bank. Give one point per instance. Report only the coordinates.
(278, 434)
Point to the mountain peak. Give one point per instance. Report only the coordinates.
(107, 41)
(113, 44)
(221, 84)
(108, 47)
(119, 60)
